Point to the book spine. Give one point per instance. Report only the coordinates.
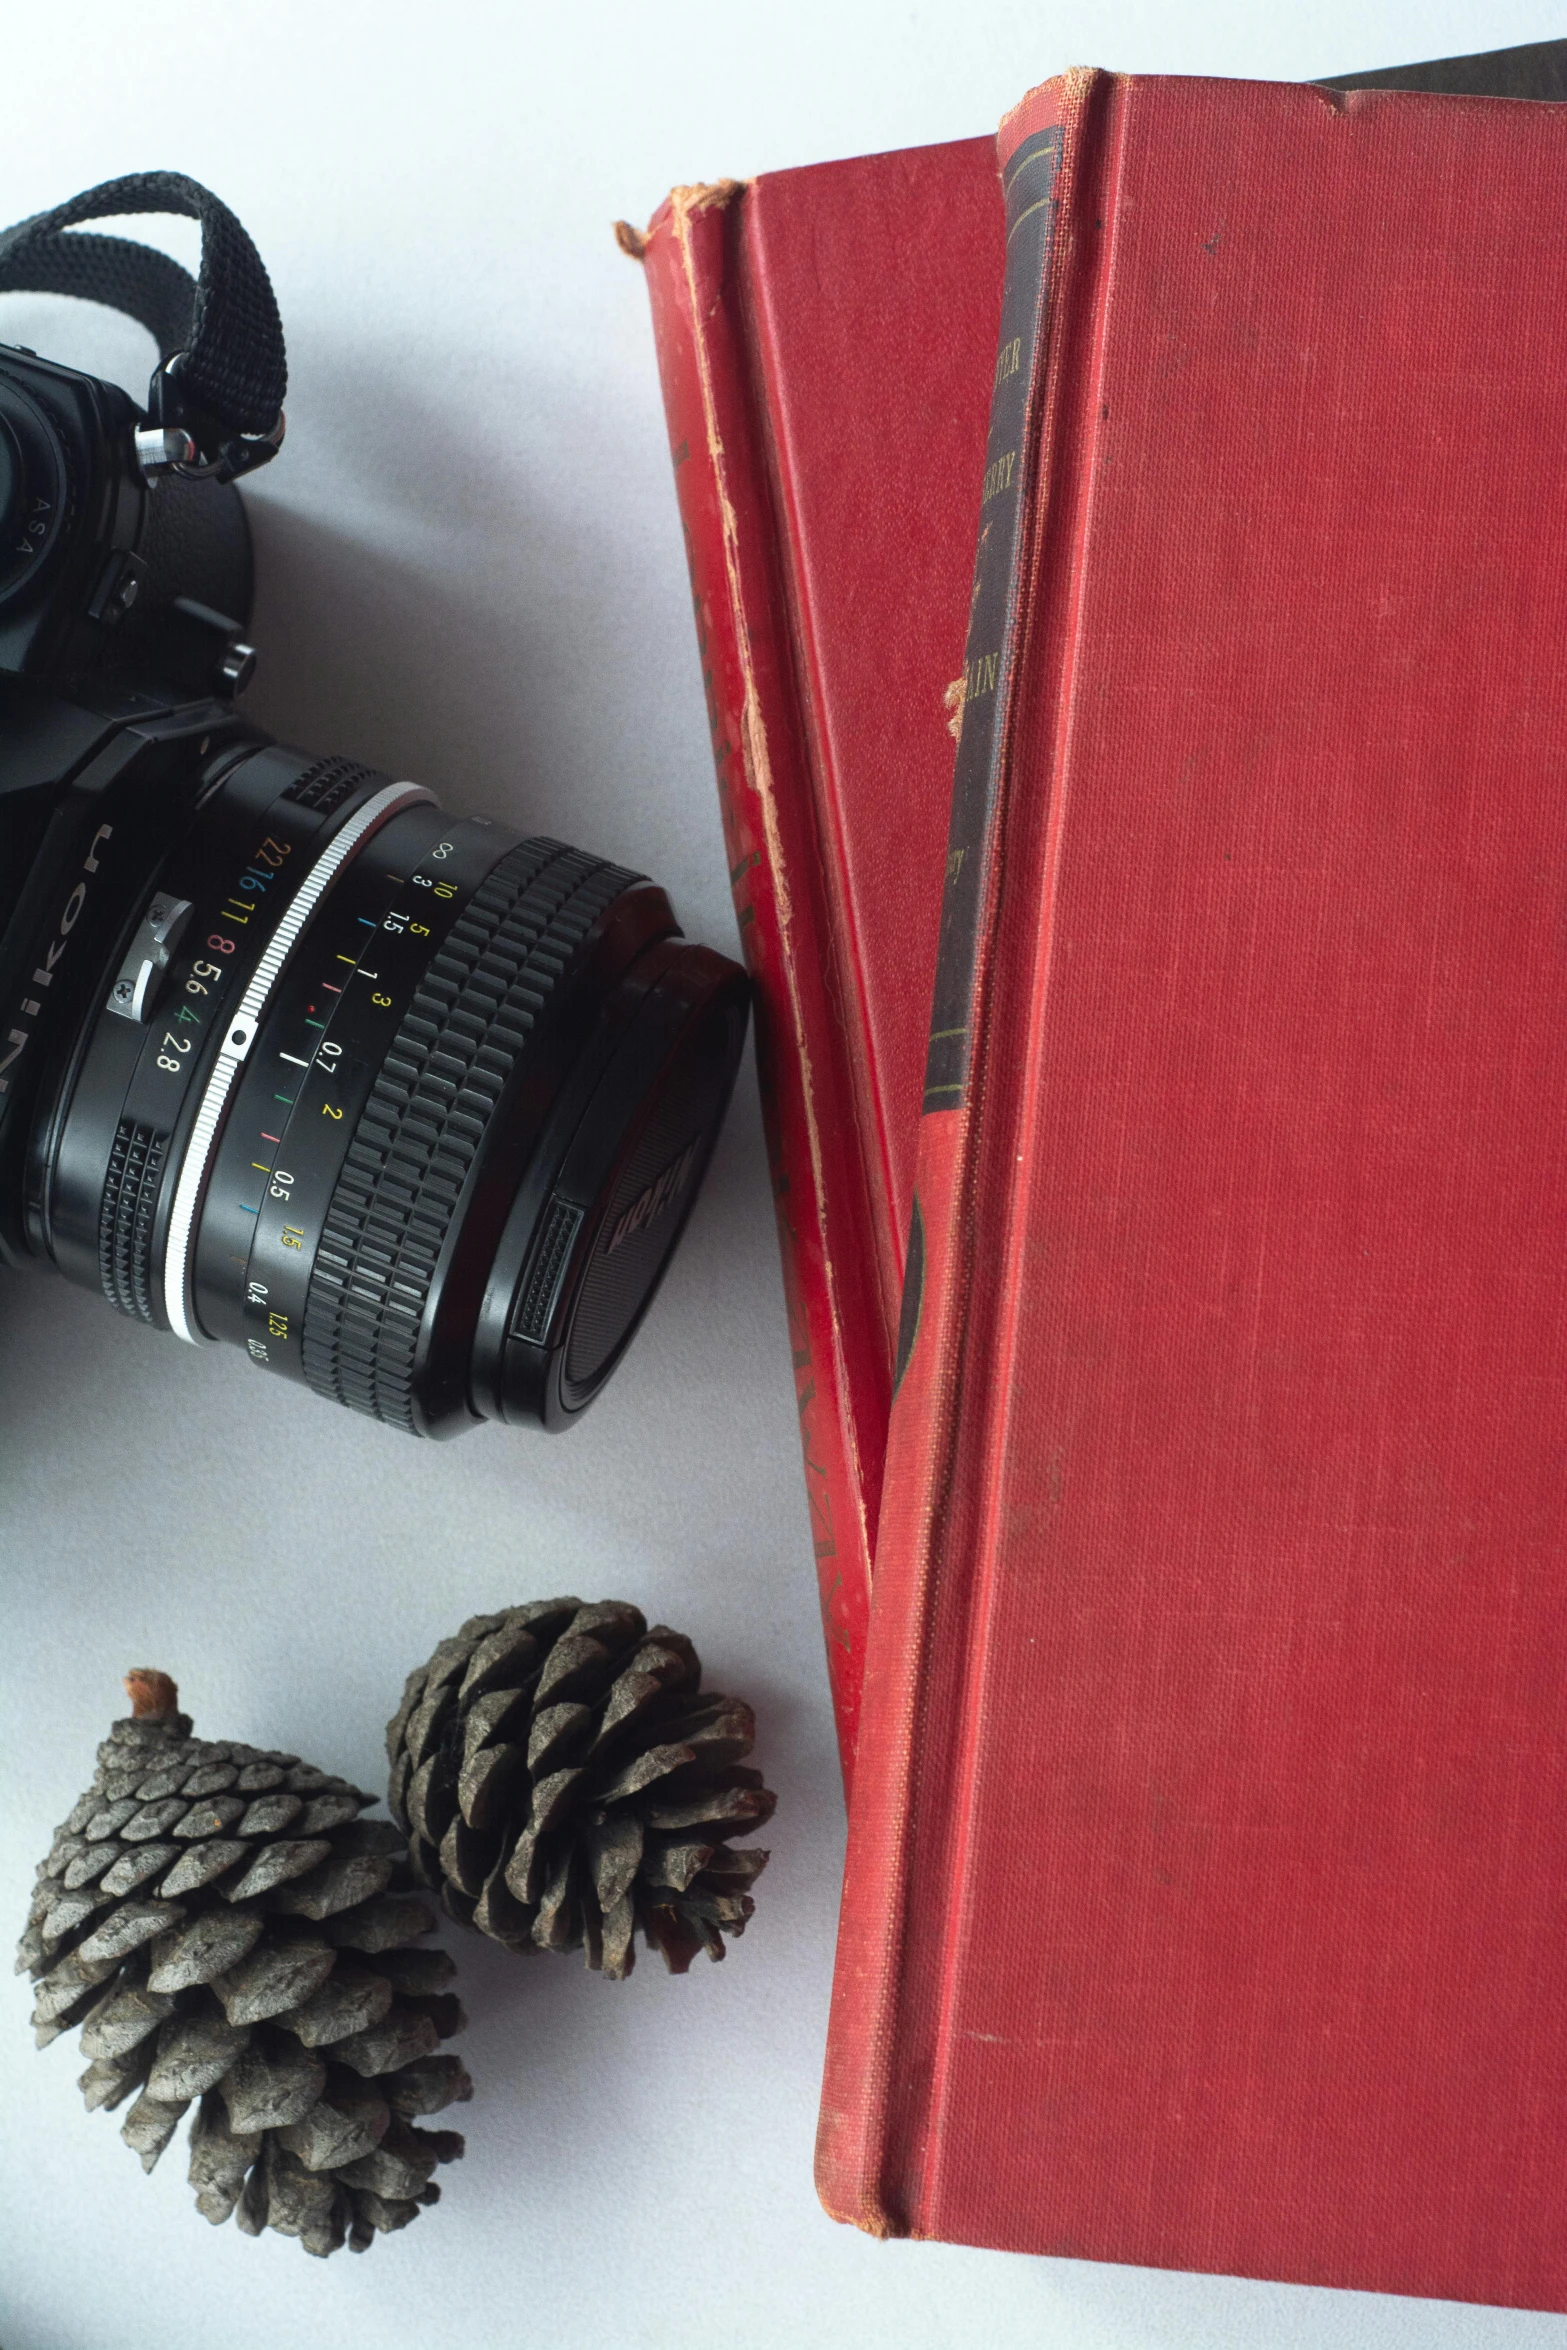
(743, 639)
(879, 2116)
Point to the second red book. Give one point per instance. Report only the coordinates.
(825, 341)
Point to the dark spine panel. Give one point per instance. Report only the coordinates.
(1536, 69)
(1029, 182)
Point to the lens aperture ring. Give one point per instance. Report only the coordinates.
(466, 1028)
(324, 787)
(240, 1028)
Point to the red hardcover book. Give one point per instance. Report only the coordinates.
(817, 335)
(823, 339)
(1206, 1902)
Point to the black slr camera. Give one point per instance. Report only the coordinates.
(410, 1108)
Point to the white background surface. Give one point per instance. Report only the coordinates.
(471, 572)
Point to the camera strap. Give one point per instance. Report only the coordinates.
(222, 370)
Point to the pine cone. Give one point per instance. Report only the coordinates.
(562, 1782)
(225, 1928)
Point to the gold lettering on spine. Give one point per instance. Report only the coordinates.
(999, 476)
(979, 676)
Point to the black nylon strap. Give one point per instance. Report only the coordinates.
(232, 369)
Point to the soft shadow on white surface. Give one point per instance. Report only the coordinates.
(471, 572)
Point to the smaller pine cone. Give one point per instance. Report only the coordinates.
(230, 1935)
(563, 1780)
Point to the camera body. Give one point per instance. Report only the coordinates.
(110, 561)
(410, 1108)
(124, 600)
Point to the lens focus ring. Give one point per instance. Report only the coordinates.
(466, 1028)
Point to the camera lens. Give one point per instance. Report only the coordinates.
(409, 1107)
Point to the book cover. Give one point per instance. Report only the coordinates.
(830, 545)
(1205, 1893)
(830, 542)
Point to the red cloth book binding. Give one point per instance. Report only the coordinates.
(1206, 1901)
(817, 334)
(825, 339)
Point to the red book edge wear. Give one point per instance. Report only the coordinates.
(1206, 1899)
(758, 749)
(830, 546)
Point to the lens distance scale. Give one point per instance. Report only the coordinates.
(326, 1066)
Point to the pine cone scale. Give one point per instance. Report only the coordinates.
(383, 1924)
(492, 1717)
(133, 1868)
(423, 1726)
(556, 1730)
(525, 1871)
(122, 2016)
(84, 1868)
(194, 2053)
(219, 2160)
(273, 2084)
(71, 1910)
(275, 1864)
(506, 1659)
(400, 2038)
(329, 2137)
(157, 1819)
(347, 2002)
(428, 2086)
(212, 1942)
(498, 1913)
(276, 1978)
(488, 1784)
(201, 1865)
(327, 1811)
(149, 2126)
(109, 2084)
(463, 1858)
(432, 1797)
(339, 1884)
(131, 1925)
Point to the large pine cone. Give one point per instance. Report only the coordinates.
(563, 1781)
(224, 1926)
